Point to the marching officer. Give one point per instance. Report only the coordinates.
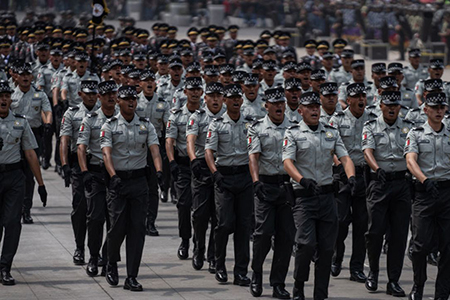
(179, 159)
(35, 106)
(328, 99)
(427, 156)
(91, 166)
(344, 72)
(70, 128)
(308, 151)
(358, 75)
(388, 196)
(292, 90)
(15, 136)
(125, 139)
(253, 105)
(351, 202)
(227, 141)
(415, 70)
(157, 110)
(408, 98)
(435, 71)
(273, 213)
(203, 206)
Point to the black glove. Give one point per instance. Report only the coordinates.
(67, 172)
(432, 188)
(115, 183)
(48, 129)
(160, 177)
(196, 168)
(87, 181)
(58, 110)
(310, 185)
(43, 195)
(259, 190)
(1, 144)
(174, 169)
(381, 175)
(352, 184)
(218, 179)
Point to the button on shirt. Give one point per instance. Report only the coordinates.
(17, 135)
(266, 138)
(89, 134)
(71, 122)
(433, 149)
(350, 129)
(156, 109)
(388, 142)
(129, 141)
(176, 128)
(30, 105)
(198, 126)
(312, 151)
(229, 140)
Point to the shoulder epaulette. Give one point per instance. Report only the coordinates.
(422, 80)
(408, 121)
(217, 119)
(369, 82)
(373, 115)
(161, 99)
(175, 110)
(328, 126)
(249, 118)
(142, 119)
(74, 108)
(111, 120)
(371, 106)
(256, 122)
(293, 126)
(418, 128)
(408, 89)
(44, 66)
(368, 122)
(405, 107)
(200, 111)
(339, 113)
(180, 90)
(91, 114)
(415, 109)
(19, 116)
(69, 74)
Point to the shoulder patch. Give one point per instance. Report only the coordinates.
(418, 129)
(175, 110)
(369, 82)
(368, 122)
(91, 114)
(111, 120)
(339, 113)
(74, 108)
(144, 119)
(217, 119)
(415, 109)
(256, 122)
(293, 126)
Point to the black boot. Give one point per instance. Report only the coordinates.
(256, 285)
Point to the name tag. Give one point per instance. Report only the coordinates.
(36, 99)
(223, 132)
(263, 134)
(345, 126)
(423, 141)
(300, 139)
(378, 134)
(117, 132)
(143, 131)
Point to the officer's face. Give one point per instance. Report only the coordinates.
(220, 61)
(233, 103)
(269, 74)
(315, 84)
(126, 59)
(163, 68)
(357, 104)
(338, 50)
(127, 105)
(81, 65)
(108, 100)
(193, 95)
(270, 56)
(193, 38)
(211, 78)
(24, 80)
(214, 102)
(414, 61)
(187, 59)
(347, 61)
(249, 59)
(225, 78)
(276, 111)
(329, 101)
(43, 54)
(175, 73)
(398, 77)
(435, 73)
(56, 59)
(289, 73)
(140, 64)
(358, 74)
(114, 72)
(310, 113)
(376, 77)
(5, 103)
(435, 113)
(390, 112)
(305, 76)
(310, 50)
(292, 96)
(327, 63)
(193, 73)
(134, 82)
(148, 86)
(89, 99)
(251, 91)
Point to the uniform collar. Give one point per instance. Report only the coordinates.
(258, 97)
(304, 127)
(220, 113)
(428, 130)
(125, 122)
(227, 119)
(269, 124)
(383, 125)
(10, 116)
(351, 116)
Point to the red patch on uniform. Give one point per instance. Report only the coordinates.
(82, 128)
(102, 134)
(209, 134)
(331, 123)
(191, 122)
(365, 136)
(64, 118)
(285, 143)
(407, 142)
(249, 140)
(168, 124)
(174, 100)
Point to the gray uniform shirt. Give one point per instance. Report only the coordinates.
(129, 141)
(198, 126)
(17, 135)
(166, 90)
(30, 105)
(71, 122)
(350, 129)
(417, 116)
(340, 76)
(411, 75)
(312, 151)
(293, 115)
(58, 76)
(156, 109)
(342, 95)
(388, 142)
(71, 83)
(89, 134)
(229, 140)
(433, 149)
(44, 78)
(266, 138)
(176, 128)
(253, 109)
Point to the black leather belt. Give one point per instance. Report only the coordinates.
(131, 174)
(233, 170)
(11, 167)
(274, 179)
(441, 184)
(95, 168)
(324, 189)
(390, 176)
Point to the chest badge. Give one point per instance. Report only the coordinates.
(142, 127)
(160, 105)
(36, 95)
(405, 130)
(329, 134)
(16, 123)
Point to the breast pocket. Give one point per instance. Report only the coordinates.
(141, 138)
(14, 137)
(380, 139)
(224, 136)
(425, 147)
(303, 144)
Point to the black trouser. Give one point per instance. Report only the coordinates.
(184, 205)
(234, 205)
(47, 136)
(127, 212)
(79, 207)
(204, 211)
(352, 209)
(165, 165)
(316, 222)
(388, 206)
(12, 191)
(29, 177)
(152, 182)
(96, 213)
(430, 215)
(273, 217)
